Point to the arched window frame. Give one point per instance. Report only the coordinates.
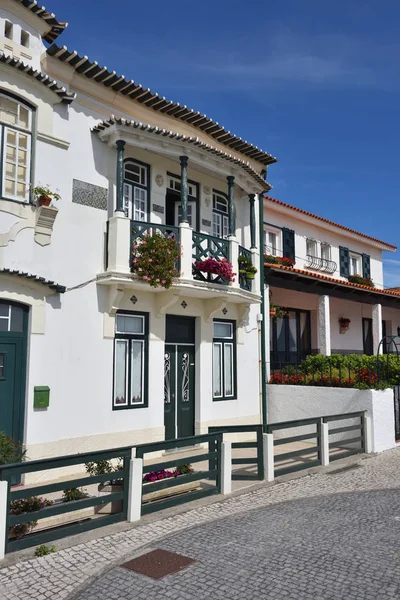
(16, 133)
(136, 189)
(220, 221)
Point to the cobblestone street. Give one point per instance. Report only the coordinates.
(302, 539)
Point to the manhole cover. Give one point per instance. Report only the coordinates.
(158, 563)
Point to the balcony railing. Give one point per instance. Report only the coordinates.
(321, 264)
(207, 246)
(244, 282)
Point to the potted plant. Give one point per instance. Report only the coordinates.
(250, 272)
(222, 268)
(155, 259)
(155, 476)
(113, 486)
(277, 312)
(361, 280)
(279, 260)
(344, 324)
(244, 262)
(11, 451)
(45, 195)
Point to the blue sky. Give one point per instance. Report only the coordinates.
(316, 84)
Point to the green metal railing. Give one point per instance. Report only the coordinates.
(8, 472)
(245, 284)
(310, 456)
(213, 457)
(208, 246)
(140, 229)
(246, 445)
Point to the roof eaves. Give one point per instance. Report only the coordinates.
(61, 92)
(137, 92)
(106, 124)
(60, 289)
(391, 247)
(57, 27)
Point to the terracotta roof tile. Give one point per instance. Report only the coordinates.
(309, 214)
(387, 292)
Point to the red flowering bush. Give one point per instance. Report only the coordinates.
(222, 267)
(155, 258)
(279, 260)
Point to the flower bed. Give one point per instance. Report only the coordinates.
(162, 475)
(279, 260)
(361, 280)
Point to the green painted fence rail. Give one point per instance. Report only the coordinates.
(247, 444)
(358, 427)
(7, 472)
(213, 457)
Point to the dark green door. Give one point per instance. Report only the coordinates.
(179, 374)
(13, 328)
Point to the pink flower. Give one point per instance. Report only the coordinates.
(163, 281)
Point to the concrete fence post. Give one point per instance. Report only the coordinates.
(268, 450)
(368, 449)
(135, 490)
(226, 468)
(3, 517)
(324, 441)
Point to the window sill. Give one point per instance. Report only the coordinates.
(130, 407)
(224, 399)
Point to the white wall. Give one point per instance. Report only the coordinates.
(291, 403)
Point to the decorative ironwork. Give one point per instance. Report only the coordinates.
(167, 378)
(184, 304)
(321, 264)
(208, 246)
(185, 377)
(140, 229)
(245, 284)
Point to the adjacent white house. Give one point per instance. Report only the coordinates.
(91, 356)
(331, 282)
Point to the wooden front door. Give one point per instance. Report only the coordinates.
(13, 327)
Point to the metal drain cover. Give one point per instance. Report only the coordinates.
(158, 563)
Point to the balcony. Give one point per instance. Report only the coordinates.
(124, 233)
(320, 264)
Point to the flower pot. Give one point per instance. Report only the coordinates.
(167, 492)
(242, 272)
(250, 275)
(272, 313)
(44, 200)
(111, 507)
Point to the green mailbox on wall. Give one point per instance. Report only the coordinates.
(41, 396)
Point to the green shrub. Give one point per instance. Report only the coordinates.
(43, 550)
(10, 450)
(72, 494)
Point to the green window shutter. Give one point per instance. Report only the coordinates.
(344, 259)
(288, 243)
(366, 265)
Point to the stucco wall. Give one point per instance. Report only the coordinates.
(290, 403)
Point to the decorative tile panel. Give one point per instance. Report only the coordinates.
(89, 194)
(157, 208)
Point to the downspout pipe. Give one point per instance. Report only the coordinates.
(262, 286)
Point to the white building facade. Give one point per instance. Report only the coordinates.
(330, 285)
(91, 356)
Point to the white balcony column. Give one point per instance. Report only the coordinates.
(233, 256)
(377, 333)
(324, 326)
(119, 243)
(185, 234)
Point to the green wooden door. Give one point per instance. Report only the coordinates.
(179, 378)
(7, 386)
(13, 343)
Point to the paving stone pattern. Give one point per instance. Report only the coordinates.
(321, 546)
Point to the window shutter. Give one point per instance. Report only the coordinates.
(288, 243)
(366, 265)
(344, 258)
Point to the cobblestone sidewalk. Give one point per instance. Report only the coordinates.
(59, 575)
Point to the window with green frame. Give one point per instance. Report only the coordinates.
(130, 360)
(224, 360)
